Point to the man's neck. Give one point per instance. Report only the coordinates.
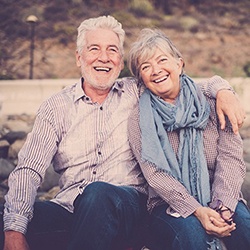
(96, 95)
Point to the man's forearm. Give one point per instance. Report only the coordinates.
(15, 241)
(213, 85)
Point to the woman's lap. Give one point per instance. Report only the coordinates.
(175, 233)
(187, 233)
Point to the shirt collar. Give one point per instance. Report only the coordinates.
(79, 92)
(118, 86)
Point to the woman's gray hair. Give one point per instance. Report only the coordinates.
(103, 22)
(148, 41)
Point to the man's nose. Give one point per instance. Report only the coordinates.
(103, 56)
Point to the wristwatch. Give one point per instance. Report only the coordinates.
(218, 206)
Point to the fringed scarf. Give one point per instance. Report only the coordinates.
(189, 115)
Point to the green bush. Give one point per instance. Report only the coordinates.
(6, 77)
(246, 69)
(125, 72)
(141, 7)
(127, 19)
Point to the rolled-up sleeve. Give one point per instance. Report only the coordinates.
(34, 158)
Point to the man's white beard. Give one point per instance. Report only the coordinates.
(101, 86)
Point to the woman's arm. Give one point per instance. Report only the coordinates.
(230, 167)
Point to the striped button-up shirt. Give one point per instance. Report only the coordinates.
(85, 141)
(224, 154)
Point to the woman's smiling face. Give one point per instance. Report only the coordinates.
(161, 74)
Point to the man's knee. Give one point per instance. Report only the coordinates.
(97, 190)
(96, 194)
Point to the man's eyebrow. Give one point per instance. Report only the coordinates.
(91, 45)
(113, 46)
(110, 45)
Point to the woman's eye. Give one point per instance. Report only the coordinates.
(163, 59)
(144, 67)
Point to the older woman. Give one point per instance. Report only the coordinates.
(194, 168)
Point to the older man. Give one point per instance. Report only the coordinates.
(83, 130)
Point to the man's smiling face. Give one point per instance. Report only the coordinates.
(100, 60)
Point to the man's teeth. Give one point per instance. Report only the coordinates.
(102, 69)
(161, 79)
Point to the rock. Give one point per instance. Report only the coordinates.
(245, 132)
(17, 126)
(246, 146)
(246, 188)
(50, 180)
(3, 190)
(5, 168)
(4, 148)
(50, 194)
(247, 158)
(15, 148)
(13, 136)
(248, 166)
(2, 194)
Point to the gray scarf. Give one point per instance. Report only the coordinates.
(189, 116)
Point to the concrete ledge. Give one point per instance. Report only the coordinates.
(25, 96)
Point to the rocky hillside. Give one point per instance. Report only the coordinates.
(213, 36)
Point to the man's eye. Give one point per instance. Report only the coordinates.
(93, 48)
(113, 50)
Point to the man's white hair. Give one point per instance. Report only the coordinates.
(103, 22)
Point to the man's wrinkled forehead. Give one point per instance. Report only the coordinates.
(102, 38)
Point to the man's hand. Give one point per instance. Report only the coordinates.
(227, 103)
(15, 241)
(213, 223)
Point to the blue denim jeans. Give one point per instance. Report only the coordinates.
(50, 226)
(181, 233)
(106, 217)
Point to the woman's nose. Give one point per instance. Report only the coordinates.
(156, 69)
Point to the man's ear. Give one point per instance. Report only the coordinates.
(122, 64)
(78, 61)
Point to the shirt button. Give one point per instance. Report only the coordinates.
(94, 172)
(87, 98)
(99, 153)
(101, 108)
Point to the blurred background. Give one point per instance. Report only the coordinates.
(213, 35)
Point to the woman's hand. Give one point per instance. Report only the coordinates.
(227, 103)
(213, 223)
